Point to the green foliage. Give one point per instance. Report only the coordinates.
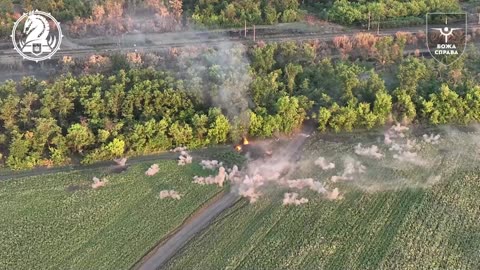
(404, 107)
(382, 107)
(290, 113)
(79, 137)
(401, 12)
(219, 128)
(323, 116)
(139, 111)
(286, 83)
(20, 153)
(263, 58)
(235, 13)
(181, 133)
(291, 72)
(343, 118)
(411, 72)
(445, 107)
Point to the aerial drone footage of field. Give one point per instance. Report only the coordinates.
(239, 134)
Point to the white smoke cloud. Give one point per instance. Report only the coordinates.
(219, 179)
(121, 161)
(292, 199)
(249, 187)
(324, 164)
(211, 164)
(152, 170)
(184, 158)
(403, 148)
(228, 67)
(372, 151)
(179, 149)
(432, 139)
(98, 183)
(164, 194)
(396, 131)
(334, 194)
(306, 183)
(352, 169)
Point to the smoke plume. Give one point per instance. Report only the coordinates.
(352, 168)
(98, 183)
(219, 179)
(164, 194)
(324, 164)
(292, 199)
(179, 149)
(184, 158)
(211, 164)
(371, 151)
(120, 161)
(152, 170)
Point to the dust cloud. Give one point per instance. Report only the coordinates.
(164, 194)
(292, 199)
(218, 179)
(324, 164)
(97, 183)
(184, 158)
(154, 169)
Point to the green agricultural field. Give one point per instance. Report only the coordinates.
(59, 222)
(394, 227)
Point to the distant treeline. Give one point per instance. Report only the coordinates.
(100, 17)
(358, 12)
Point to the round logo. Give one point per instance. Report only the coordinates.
(40, 37)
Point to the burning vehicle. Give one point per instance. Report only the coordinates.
(252, 150)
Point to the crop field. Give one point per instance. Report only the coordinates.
(59, 222)
(389, 219)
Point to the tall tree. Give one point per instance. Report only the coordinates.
(291, 72)
(79, 137)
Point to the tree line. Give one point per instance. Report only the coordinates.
(235, 13)
(137, 110)
(360, 12)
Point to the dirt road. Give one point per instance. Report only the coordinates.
(6, 174)
(168, 249)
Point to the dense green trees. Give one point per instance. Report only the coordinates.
(216, 99)
(235, 13)
(350, 12)
(99, 117)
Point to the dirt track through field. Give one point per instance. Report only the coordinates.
(169, 248)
